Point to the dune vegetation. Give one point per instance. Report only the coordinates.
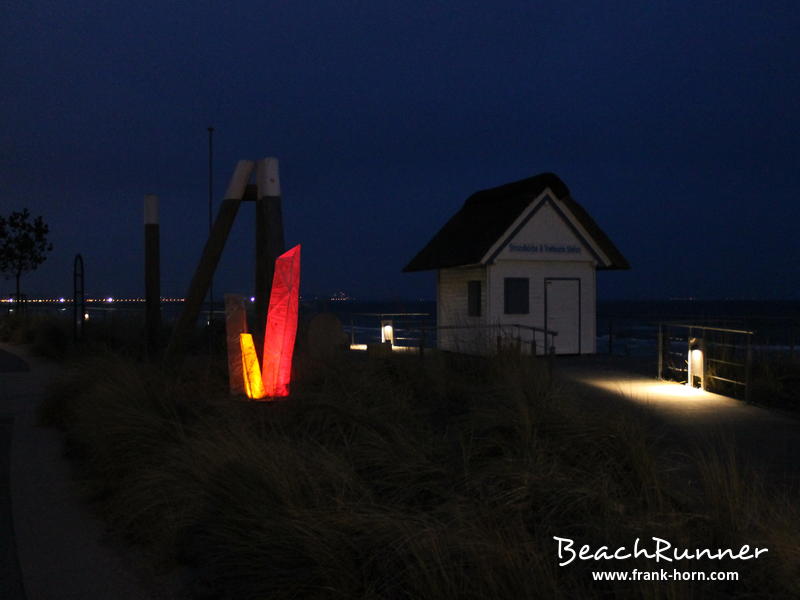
(398, 477)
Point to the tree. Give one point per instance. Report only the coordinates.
(23, 244)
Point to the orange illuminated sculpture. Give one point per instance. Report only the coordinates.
(253, 384)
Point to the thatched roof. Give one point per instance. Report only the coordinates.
(487, 215)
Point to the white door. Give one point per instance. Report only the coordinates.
(562, 309)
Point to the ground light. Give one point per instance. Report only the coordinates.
(695, 365)
(387, 332)
(646, 391)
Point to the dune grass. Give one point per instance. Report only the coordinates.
(403, 478)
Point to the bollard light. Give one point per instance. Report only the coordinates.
(695, 364)
(387, 332)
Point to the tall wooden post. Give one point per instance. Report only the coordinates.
(152, 275)
(235, 325)
(269, 242)
(660, 351)
(198, 288)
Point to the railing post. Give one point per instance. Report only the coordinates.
(660, 351)
(704, 365)
(610, 336)
(689, 373)
(421, 342)
(747, 367)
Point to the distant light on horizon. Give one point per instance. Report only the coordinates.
(67, 300)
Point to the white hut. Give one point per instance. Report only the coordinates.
(516, 261)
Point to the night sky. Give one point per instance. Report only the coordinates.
(675, 124)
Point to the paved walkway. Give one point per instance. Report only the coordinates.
(767, 440)
(61, 552)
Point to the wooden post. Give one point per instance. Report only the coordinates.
(235, 325)
(152, 275)
(269, 242)
(209, 260)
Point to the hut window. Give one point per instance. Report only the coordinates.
(516, 296)
(474, 298)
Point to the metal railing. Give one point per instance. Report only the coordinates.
(725, 359)
(416, 330)
(503, 329)
(407, 321)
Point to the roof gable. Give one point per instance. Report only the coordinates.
(488, 215)
(543, 233)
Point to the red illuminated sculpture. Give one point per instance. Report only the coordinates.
(272, 379)
(281, 330)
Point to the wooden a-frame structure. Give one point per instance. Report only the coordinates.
(266, 194)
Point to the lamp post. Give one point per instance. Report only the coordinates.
(210, 219)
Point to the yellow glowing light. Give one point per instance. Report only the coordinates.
(695, 367)
(253, 384)
(358, 346)
(657, 393)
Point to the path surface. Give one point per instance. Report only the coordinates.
(10, 575)
(767, 440)
(60, 549)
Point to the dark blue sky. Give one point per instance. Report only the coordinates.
(676, 124)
